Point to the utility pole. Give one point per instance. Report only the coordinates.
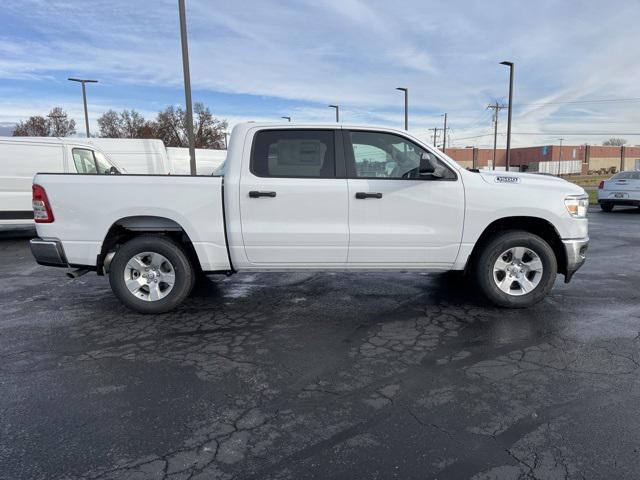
(435, 135)
(187, 86)
(511, 69)
(496, 109)
(84, 99)
(406, 106)
(337, 107)
(444, 135)
(560, 156)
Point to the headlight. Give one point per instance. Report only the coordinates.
(577, 206)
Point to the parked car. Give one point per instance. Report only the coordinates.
(311, 197)
(621, 189)
(22, 157)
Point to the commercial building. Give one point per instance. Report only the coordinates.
(568, 159)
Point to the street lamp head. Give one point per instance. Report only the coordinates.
(333, 106)
(508, 64)
(82, 80)
(402, 89)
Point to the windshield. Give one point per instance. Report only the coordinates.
(104, 167)
(219, 170)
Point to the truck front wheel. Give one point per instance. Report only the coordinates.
(515, 269)
(151, 274)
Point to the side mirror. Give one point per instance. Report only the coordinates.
(427, 165)
(113, 171)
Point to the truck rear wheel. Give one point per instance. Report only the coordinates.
(151, 274)
(516, 269)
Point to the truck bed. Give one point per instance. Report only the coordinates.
(85, 207)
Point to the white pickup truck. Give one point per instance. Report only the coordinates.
(311, 197)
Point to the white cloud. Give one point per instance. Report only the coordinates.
(354, 52)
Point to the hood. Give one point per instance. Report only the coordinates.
(534, 180)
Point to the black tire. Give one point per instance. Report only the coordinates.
(606, 207)
(173, 252)
(483, 269)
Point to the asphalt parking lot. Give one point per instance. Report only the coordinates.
(324, 375)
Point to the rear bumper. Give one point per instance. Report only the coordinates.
(576, 253)
(620, 201)
(48, 252)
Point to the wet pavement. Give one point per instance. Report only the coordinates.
(295, 376)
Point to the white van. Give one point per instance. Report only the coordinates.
(22, 157)
(150, 157)
(207, 160)
(137, 155)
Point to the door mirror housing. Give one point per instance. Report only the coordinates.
(114, 171)
(428, 166)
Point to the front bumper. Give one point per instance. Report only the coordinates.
(576, 253)
(48, 252)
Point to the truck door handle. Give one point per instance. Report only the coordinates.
(363, 195)
(256, 194)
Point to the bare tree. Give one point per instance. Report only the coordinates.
(127, 124)
(36, 126)
(59, 123)
(55, 124)
(614, 142)
(170, 127)
(209, 131)
(109, 123)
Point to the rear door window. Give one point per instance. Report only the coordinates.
(294, 153)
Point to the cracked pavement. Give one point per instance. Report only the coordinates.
(324, 375)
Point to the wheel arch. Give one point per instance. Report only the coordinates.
(535, 225)
(127, 228)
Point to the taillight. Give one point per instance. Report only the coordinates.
(601, 185)
(41, 208)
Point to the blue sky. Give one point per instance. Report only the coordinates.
(259, 60)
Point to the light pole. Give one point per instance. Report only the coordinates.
(444, 134)
(337, 107)
(406, 106)
(560, 156)
(84, 81)
(511, 68)
(187, 86)
(287, 118)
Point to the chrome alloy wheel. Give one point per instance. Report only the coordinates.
(517, 271)
(149, 276)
